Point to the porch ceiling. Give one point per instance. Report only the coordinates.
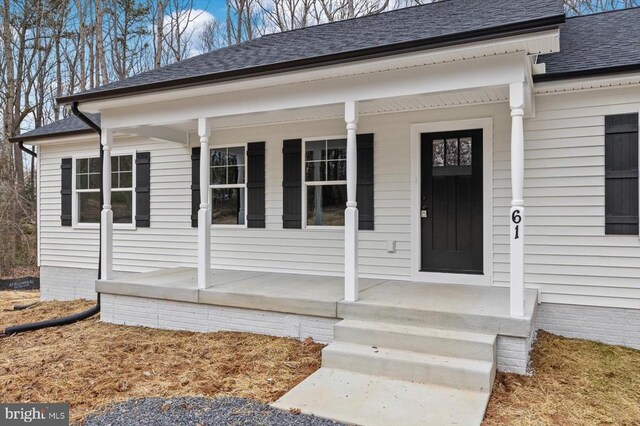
(416, 102)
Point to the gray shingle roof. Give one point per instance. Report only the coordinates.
(443, 21)
(67, 126)
(596, 43)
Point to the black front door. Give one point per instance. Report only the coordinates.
(451, 201)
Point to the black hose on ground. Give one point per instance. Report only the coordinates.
(69, 319)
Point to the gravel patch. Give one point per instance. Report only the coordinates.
(199, 411)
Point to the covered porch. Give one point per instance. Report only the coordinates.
(482, 309)
(476, 74)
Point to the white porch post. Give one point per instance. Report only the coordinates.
(106, 216)
(204, 216)
(351, 212)
(516, 217)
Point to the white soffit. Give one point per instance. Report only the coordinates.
(592, 83)
(418, 102)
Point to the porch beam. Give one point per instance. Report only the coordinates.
(517, 214)
(204, 215)
(158, 133)
(106, 215)
(473, 73)
(351, 212)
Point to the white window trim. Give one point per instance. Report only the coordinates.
(74, 200)
(322, 183)
(486, 278)
(230, 186)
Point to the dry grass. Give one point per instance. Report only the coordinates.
(90, 364)
(575, 382)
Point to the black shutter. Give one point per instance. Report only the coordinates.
(291, 183)
(364, 194)
(195, 186)
(66, 168)
(143, 171)
(621, 174)
(255, 184)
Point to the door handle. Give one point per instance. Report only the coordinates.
(423, 212)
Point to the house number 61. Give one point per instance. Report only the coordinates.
(516, 219)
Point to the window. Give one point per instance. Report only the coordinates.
(621, 174)
(325, 181)
(228, 184)
(87, 188)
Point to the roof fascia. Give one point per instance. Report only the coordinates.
(540, 78)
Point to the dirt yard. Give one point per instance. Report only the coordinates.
(90, 364)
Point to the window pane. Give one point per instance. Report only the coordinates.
(337, 170)
(94, 165)
(81, 165)
(452, 152)
(315, 171)
(125, 179)
(326, 205)
(235, 156)
(218, 176)
(89, 207)
(82, 182)
(465, 151)
(315, 150)
(228, 206)
(337, 149)
(126, 163)
(114, 180)
(94, 181)
(438, 153)
(115, 164)
(218, 157)
(121, 204)
(236, 174)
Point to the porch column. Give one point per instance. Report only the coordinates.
(106, 216)
(204, 215)
(516, 217)
(351, 212)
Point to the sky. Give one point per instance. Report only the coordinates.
(214, 7)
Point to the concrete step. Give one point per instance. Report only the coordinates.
(476, 322)
(457, 373)
(452, 343)
(361, 399)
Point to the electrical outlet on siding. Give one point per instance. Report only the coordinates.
(391, 246)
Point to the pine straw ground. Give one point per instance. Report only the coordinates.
(90, 364)
(575, 382)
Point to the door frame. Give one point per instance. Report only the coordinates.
(486, 278)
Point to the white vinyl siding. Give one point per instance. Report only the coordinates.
(566, 251)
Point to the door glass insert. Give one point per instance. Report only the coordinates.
(452, 152)
(465, 151)
(438, 153)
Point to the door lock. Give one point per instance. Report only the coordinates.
(423, 213)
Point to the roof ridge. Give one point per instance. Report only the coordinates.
(604, 12)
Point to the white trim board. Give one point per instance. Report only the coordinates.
(486, 124)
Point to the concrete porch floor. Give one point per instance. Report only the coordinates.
(323, 296)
